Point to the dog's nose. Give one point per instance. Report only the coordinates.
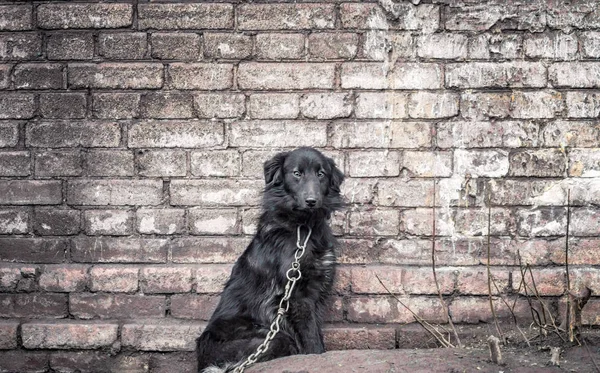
(310, 202)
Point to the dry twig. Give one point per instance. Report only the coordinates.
(489, 273)
(494, 346)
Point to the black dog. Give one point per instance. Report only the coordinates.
(302, 189)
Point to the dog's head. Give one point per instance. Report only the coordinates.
(302, 181)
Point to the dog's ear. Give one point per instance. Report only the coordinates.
(337, 177)
(274, 169)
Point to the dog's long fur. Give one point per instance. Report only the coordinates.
(302, 188)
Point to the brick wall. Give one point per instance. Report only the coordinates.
(132, 136)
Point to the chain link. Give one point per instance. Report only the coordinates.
(293, 274)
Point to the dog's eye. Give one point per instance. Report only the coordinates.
(321, 174)
(297, 173)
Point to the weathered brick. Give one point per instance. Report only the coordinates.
(413, 193)
(161, 163)
(70, 46)
(63, 278)
(548, 281)
(160, 221)
(38, 76)
(20, 46)
(433, 104)
(123, 45)
(331, 46)
(262, 76)
(485, 105)
(213, 221)
(220, 163)
(56, 222)
(527, 192)
(474, 281)
(421, 280)
(116, 105)
(215, 192)
(109, 162)
(556, 46)
(193, 306)
(73, 134)
(542, 221)
(116, 306)
(480, 17)
(569, 133)
(9, 133)
(97, 361)
(582, 250)
(114, 192)
(384, 105)
(386, 309)
(204, 76)
(5, 72)
(14, 221)
(15, 17)
(33, 305)
(387, 45)
(171, 134)
(278, 134)
(537, 104)
(219, 105)
(285, 16)
(63, 105)
(8, 334)
(326, 105)
(33, 250)
(114, 279)
(118, 250)
(17, 106)
(227, 45)
(136, 75)
(108, 222)
(403, 75)
(207, 249)
(165, 105)
(495, 75)
(584, 162)
(542, 163)
(176, 46)
(424, 17)
(185, 16)
(365, 279)
(428, 164)
(575, 74)
(359, 338)
(374, 223)
(374, 163)
(271, 46)
(65, 335)
(583, 104)
(590, 44)
(15, 163)
(473, 310)
(391, 135)
(162, 336)
(250, 218)
(28, 192)
(585, 222)
(512, 134)
(211, 278)
(60, 16)
(443, 46)
(486, 163)
(274, 106)
(166, 279)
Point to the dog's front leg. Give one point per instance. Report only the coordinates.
(307, 324)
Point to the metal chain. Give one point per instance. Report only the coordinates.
(293, 274)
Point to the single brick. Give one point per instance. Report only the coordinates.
(584, 162)
(116, 306)
(542, 221)
(193, 306)
(58, 134)
(60, 16)
(285, 16)
(331, 46)
(162, 335)
(365, 279)
(173, 279)
(495, 75)
(570, 133)
(272, 46)
(185, 16)
(481, 163)
(474, 281)
(512, 134)
(386, 309)
(537, 163)
(207, 249)
(160, 221)
(109, 163)
(377, 45)
(33, 250)
(65, 335)
(391, 135)
(444, 46)
(108, 222)
(38, 76)
(15, 17)
(485, 105)
(70, 46)
(171, 134)
(575, 74)
(343, 337)
(585, 221)
(118, 250)
(326, 105)
(219, 105)
(33, 305)
(227, 45)
(17, 106)
(250, 218)
(374, 163)
(204, 76)
(96, 361)
(412, 193)
(20, 46)
(590, 43)
(428, 164)
(9, 133)
(384, 105)
(123, 45)
(114, 192)
(176, 46)
(583, 105)
(555, 46)
(278, 134)
(548, 282)
(28, 192)
(211, 278)
(274, 106)
(63, 105)
(409, 75)
(433, 104)
(63, 278)
(424, 17)
(116, 105)
(165, 105)
(213, 221)
(161, 163)
(527, 192)
(138, 75)
(114, 279)
(215, 192)
(421, 281)
(373, 223)
(537, 104)
(56, 222)
(263, 76)
(13, 221)
(15, 163)
(220, 163)
(5, 71)
(8, 332)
